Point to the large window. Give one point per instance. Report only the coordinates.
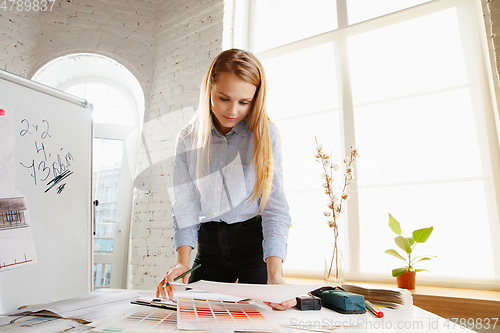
(406, 81)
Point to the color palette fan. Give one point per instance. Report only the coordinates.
(146, 320)
(194, 314)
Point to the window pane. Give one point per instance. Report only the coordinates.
(77, 90)
(279, 22)
(306, 233)
(427, 138)
(97, 93)
(303, 102)
(102, 275)
(112, 114)
(111, 106)
(421, 55)
(362, 10)
(301, 172)
(303, 184)
(461, 237)
(303, 82)
(107, 167)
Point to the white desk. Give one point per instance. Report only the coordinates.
(410, 319)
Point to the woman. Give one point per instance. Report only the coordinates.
(228, 187)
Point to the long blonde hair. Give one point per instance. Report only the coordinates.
(247, 67)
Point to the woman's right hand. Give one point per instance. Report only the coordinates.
(169, 277)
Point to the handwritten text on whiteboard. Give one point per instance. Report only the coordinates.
(49, 167)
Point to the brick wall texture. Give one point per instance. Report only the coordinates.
(188, 36)
(17, 41)
(167, 45)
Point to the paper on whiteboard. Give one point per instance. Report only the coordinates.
(17, 248)
(275, 293)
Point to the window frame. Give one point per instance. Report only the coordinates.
(483, 52)
(119, 132)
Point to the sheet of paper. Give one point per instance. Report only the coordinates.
(276, 293)
(88, 308)
(34, 324)
(200, 294)
(17, 248)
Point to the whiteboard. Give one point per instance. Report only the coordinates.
(46, 156)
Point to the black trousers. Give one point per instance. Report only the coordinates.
(230, 252)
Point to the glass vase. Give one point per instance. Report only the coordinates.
(334, 254)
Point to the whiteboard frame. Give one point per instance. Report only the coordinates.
(41, 88)
(44, 89)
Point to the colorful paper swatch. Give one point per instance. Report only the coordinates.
(194, 314)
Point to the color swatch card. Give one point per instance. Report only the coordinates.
(195, 314)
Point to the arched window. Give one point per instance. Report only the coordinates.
(118, 111)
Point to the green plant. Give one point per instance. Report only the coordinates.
(407, 244)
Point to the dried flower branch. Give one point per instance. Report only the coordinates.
(335, 203)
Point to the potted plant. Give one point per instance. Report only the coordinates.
(405, 276)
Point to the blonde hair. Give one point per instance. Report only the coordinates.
(247, 67)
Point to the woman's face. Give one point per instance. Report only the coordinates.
(232, 100)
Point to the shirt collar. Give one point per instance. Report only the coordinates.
(240, 128)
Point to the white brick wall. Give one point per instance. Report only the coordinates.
(17, 40)
(167, 45)
(121, 30)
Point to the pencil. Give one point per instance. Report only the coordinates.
(184, 274)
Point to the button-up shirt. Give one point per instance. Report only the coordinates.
(222, 193)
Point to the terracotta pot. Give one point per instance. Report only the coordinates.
(406, 280)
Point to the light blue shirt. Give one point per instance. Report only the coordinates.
(223, 191)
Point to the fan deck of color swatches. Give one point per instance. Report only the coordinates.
(140, 321)
(193, 314)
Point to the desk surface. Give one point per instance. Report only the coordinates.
(447, 302)
(409, 319)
